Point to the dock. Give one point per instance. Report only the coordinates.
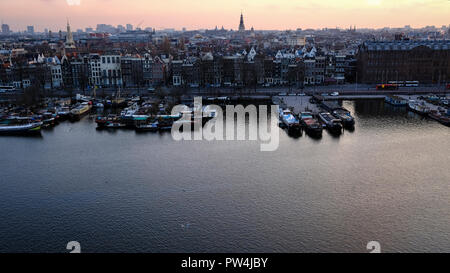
(297, 104)
(416, 98)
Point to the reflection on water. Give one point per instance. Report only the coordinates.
(119, 191)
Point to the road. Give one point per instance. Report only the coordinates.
(346, 89)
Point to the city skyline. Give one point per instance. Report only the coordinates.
(203, 14)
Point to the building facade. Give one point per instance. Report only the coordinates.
(424, 61)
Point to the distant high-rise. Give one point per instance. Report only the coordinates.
(69, 38)
(129, 27)
(241, 24)
(5, 29)
(121, 28)
(30, 29)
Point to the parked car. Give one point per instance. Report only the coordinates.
(334, 94)
(301, 94)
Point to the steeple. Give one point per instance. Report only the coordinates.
(241, 24)
(69, 37)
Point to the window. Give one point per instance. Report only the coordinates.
(103, 60)
(109, 60)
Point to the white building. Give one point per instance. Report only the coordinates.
(95, 74)
(57, 80)
(111, 73)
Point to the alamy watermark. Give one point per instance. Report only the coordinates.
(262, 126)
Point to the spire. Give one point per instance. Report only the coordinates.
(241, 23)
(69, 37)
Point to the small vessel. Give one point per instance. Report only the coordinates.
(333, 124)
(339, 112)
(32, 128)
(118, 101)
(417, 107)
(63, 112)
(114, 125)
(147, 127)
(48, 119)
(312, 126)
(208, 113)
(344, 115)
(289, 120)
(110, 121)
(189, 121)
(165, 124)
(128, 115)
(79, 111)
(440, 117)
(98, 105)
(395, 100)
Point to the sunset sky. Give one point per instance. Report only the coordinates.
(195, 14)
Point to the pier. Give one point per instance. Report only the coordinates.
(297, 104)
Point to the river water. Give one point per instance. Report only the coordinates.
(386, 181)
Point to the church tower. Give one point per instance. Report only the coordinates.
(69, 38)
(241, 24)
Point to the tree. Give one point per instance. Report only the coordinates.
(166, 46)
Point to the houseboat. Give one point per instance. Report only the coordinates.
(417, 107)
(440, 116)
(312, 126)
(147, 127)
(31, 128)
(333, 124)
(81, 110)
(63, 112)
(105, 121)
(289, 120)
(395, 100)
(344, 115)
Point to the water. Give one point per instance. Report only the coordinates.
(387, 181)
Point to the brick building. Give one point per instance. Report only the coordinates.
(404, 60)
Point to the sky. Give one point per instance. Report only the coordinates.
(201, 14)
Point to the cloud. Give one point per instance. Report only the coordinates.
(73, 2)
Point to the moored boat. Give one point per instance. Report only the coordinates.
(344, 115)
(32, 128)
(147, 127)
(312, 126)
(440, 117)
(79, 111)
(189, 121)
(333, 124)
(417, 107)
(63, 112)
(289, 120)
(110, 121)
(48, 119)
(395, 100)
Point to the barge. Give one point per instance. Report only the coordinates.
(417, 107)
(33, 128)
(312, 126)
(333, 124)
(79, 111)
(395, 100)
(289, 120)
(340, 113)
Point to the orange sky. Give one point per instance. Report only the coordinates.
(194, 14)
